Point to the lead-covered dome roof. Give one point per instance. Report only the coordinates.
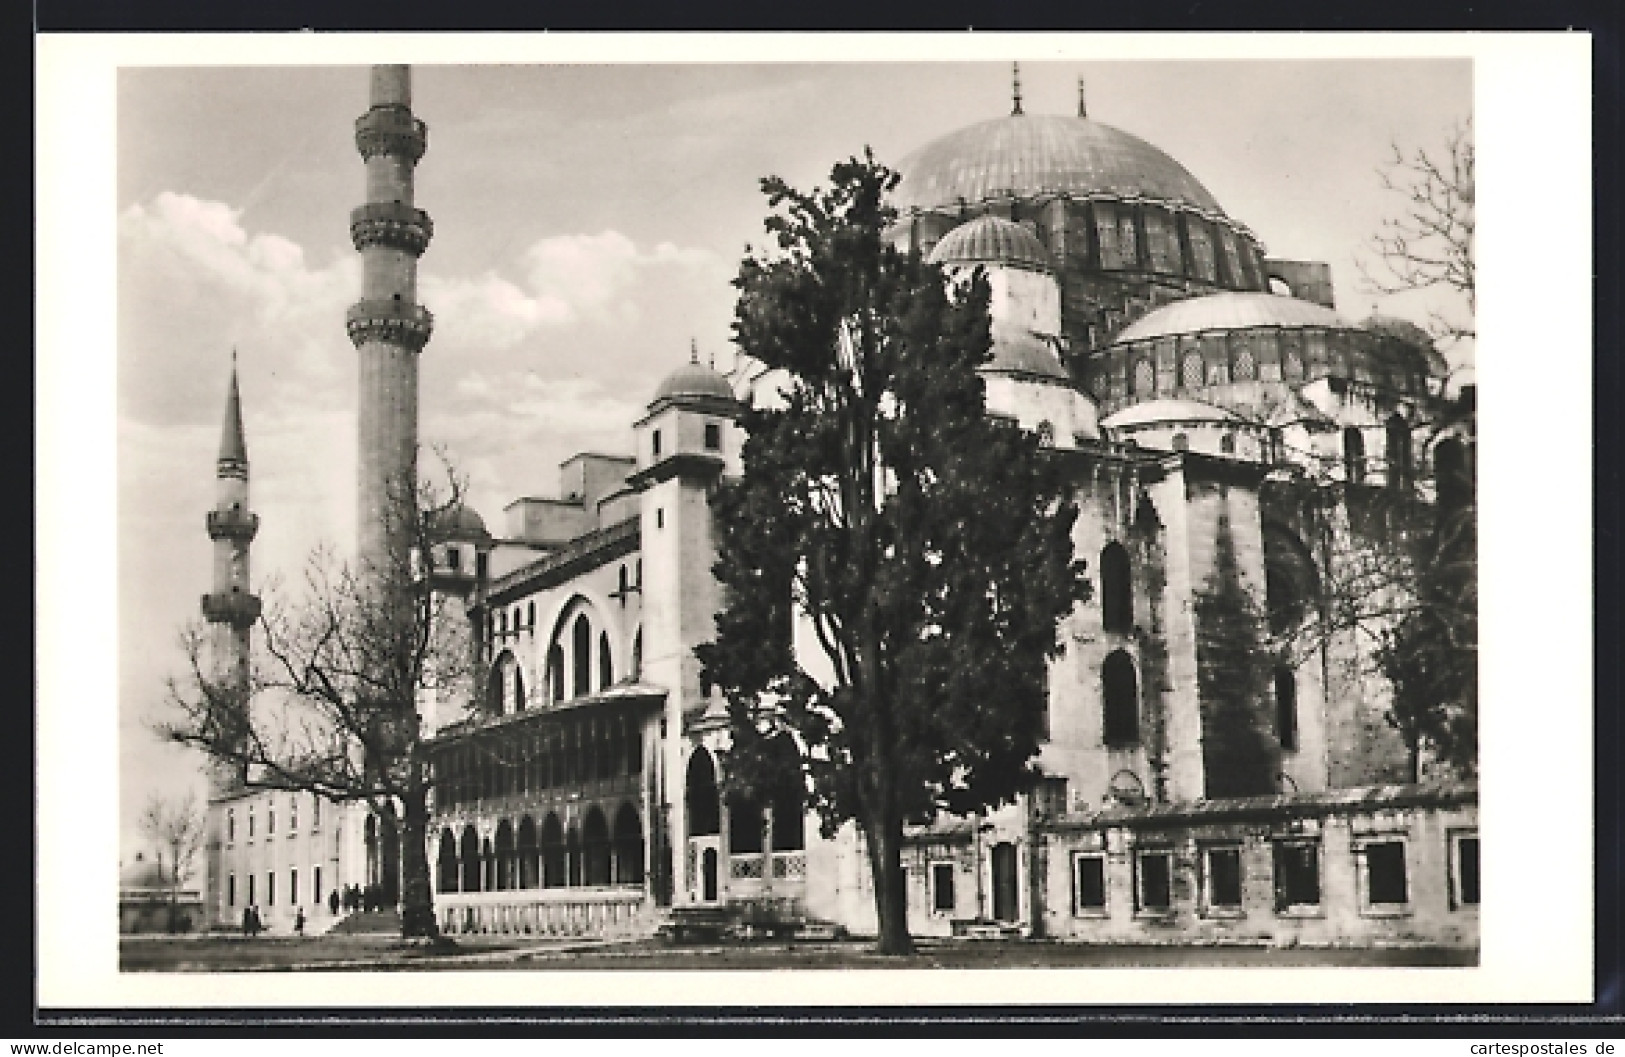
(992, 239)
(459, 522)
(1040, 155)
(694, 379)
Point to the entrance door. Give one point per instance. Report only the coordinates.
(1005, 902)
(708, 875)
(705, 866)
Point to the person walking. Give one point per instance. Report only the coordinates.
(248, 922)
(299, 921)
(333, 902)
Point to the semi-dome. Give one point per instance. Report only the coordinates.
(993, 240)
(1166, 411)
(694, 380)
(1229, 311)
(1038, 155)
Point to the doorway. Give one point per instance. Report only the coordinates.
(1006, 903)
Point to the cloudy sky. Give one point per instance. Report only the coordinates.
(587, 220)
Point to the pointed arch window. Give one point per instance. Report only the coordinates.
(1191, 373)
(1116, 590)
(637, 655)
(606, 671)
(1120, 693)
(555, 672)
(518, 689)
(1353, 455)
(1145, 377)
(581, 650)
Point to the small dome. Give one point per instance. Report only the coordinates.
(142, 873)
(1229, 311)
(1032, 155)
(992, 240)
(1165, 412)
(694, 379)
(459, 522)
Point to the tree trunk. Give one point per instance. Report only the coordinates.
(885, 840)
(417, 900)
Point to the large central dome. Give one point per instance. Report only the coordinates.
(1039, 155)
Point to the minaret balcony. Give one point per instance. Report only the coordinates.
(232, 524)
(236, 608)
(391, 130)
(391, 322)
(390, 224)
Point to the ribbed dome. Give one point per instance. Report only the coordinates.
(1229, 311)
(458, 523)
(1028, 155)
(695, 379)
(992, 240)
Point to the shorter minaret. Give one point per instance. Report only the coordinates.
(231, 609)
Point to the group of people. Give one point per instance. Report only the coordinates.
(253, 926)
(349, 898)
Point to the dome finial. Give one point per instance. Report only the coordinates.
(1015, 78)
(693, 351)
(1083, 105)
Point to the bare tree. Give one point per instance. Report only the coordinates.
(176, 826)
(336, 682)
(1427, 244)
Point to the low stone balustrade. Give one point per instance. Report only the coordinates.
(547, 912)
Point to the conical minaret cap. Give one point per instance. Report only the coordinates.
(233, 448)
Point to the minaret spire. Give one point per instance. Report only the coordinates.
(233, 448)
(1083, 104)
(1015, 78)
(231, 608)
(387, 326)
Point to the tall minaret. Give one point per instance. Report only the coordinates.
(231, 608)
(388, 326)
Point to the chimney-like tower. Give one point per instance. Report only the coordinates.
(388, 327)
(231, 608)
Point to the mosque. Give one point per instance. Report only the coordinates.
(1186, 376)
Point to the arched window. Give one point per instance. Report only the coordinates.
(1181, 441)
(1353, 455)
(1244, 369)
(1116, 590)
(1292, 366)
(1286, 707)
(1399, 452)
(1190, 371)
(528, 854)
(620, 592)
(446, 874)
(493, 690)
(744, 825)
(530, 617)
(606, 671)
(504, 856)
(1227, 444)
(552, 852)
(581, 661)
(595, 837)
(628, 847)
(1120, 692)
(518, 688)
(1290, 579)
(1145, 378)
(700, 796)
(555, 672)
(471, 861)
(637, 655)
(1046, 434)
(502, 622)
(788, 801)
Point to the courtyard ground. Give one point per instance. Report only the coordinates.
(386, 953)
